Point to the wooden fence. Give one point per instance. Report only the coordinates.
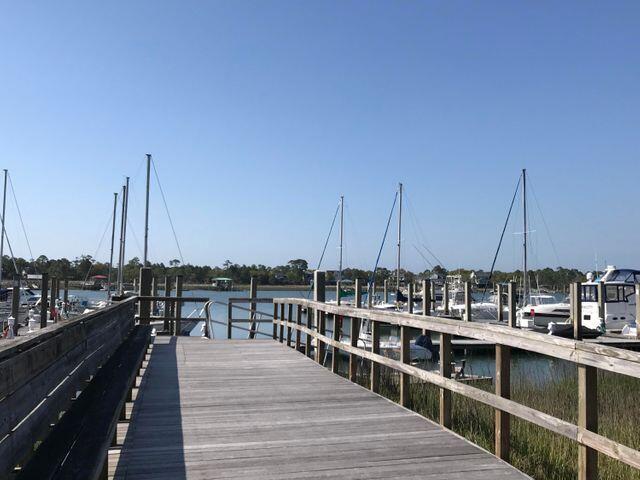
(588, 357)
(41, 374)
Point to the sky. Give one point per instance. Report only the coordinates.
(260, 114)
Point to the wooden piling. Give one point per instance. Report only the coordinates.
(290, 320)
(275, 318)
(637, 310)
(178, 307)
(445, 299)
(576, 309)
(499, 303)
(154, 293)
(230, 320)
(145, 290)
(601, 292)
(308, 338)
(44, 296)
(338, 299)
(426, 297)
(410, 298)
(66, 293)
(299, 322)
(253, 293)
(282, 319)
(467, 301)
(52, 300)
(513, 302)
(335, 352)
(385, 292)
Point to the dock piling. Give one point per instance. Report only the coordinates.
(44, 295)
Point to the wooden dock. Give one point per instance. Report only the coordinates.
(257, 409)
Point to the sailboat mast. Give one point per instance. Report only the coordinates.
(113, 236)
(341, 236)
(123, 235)
(146, 214)
(4, 205)
(399, 238)
(524, 243)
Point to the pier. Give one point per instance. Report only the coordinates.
(103, 396)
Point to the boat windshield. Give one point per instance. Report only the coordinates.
(543, 299)
(625, 275)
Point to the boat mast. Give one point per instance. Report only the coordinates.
(113, 236)
(123, 234)
(341, 236)
(399, 238)
(524, 243)
(146, 214)
(4, 205)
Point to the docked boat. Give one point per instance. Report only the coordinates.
(541, 310)
(619, 299)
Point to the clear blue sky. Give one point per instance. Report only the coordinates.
(260, 114)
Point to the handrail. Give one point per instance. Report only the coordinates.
(607, 358)
(588, 356)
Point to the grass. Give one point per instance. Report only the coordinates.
(534, 450)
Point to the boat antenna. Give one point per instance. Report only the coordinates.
(146, 214)
(399, 236)
(113, 236)
(4, 205)
(341, 236)
(524, 242)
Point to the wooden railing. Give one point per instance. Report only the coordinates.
(589, 357)
(42, 373)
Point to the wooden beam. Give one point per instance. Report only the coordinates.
(405, 357)
(513, 303)
(319, 296)
(576, 309)
(178, 306)
(253, 293)
(503, 389)
(145, 290)
(375, 349)
(354, 333)
(445, 372)
(467, 301)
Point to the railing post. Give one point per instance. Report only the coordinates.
(433, 295)
(229, 319)
(576, 309)
(587, 419)
(167, 305)
(65, 297)
(375, 348)
(52, 302)
(154, 293)
(338, 299)
(44, 296)
(298, 332)
(308, 338)
(282, 319)
(290, 320)
(145, 290)
(15, 303)
(503, 389)
(511, 292)
(467, 301)
(253, 293)
(426, 300)
(445, 298)
(319, 296)
(499, 304)
(178, 323)
(275, 323)
(445, 371)
(354, 333)
(405, 353)
(335, 352)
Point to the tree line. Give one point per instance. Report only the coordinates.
(294, 272)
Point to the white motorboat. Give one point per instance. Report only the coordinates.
(619, 299)
(540, 310)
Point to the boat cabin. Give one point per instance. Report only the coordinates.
(222, 283)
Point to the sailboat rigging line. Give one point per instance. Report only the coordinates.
(24, 230)
(423, 257)
(544, 222)
(135, 237)
(504, 229)
(99, 245)
(326, 242)
(166, 207)
(384, 238)
(13, 258)
(418, 230)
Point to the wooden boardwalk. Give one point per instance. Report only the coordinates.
(256, 409)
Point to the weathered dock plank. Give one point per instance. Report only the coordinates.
(256, 409)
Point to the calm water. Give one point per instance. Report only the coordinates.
(528, 366)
